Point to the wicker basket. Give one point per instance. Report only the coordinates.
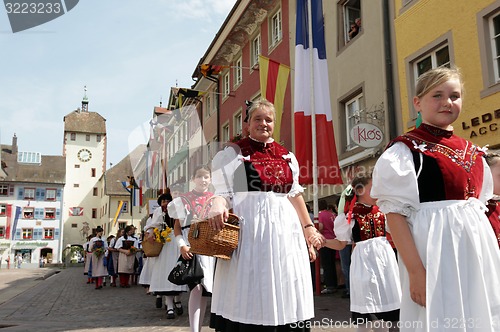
(151, 247)
(205, 240)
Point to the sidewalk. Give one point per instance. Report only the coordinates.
(50, 299)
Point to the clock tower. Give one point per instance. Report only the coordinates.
(85, 151)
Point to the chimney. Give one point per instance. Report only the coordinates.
(14, 145)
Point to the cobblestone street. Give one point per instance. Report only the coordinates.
(60, 300)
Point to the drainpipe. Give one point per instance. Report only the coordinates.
(391, 111)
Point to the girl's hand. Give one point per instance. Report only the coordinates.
(186, 254)
(417, 287)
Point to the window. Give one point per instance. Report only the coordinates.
(238, 72)
(74, 225)
(92, 172)
(27, 233)
(28, 213)
(351, 20)
(2, 232)
(4, 189)
(87, 138)
(352, 117)
(3, 209)
(122, 225)
(226, 89)
(255, 51)
(94, 191)
(50, 194)
(208, 105)
(98, 138)
(276, 30)
(29, 193)
(77, 166)
(48, 233)
(76, 185)
(72, 136)
(225, 133)
(488, 21)
(50, 213)
(434, 59)
(76, 211)
(238, 123)
(94, 213)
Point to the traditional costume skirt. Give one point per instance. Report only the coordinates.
(458, 248)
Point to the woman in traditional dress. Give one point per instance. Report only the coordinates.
(165, 262)
(266, 285)
(126, 259)
(432, 186)
(98, 246)
(114, 254)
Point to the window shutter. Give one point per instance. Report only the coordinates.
(20, 193)
(37, 233)
(42, 193)
(56, 234)
(58, 213)
(18, 234)
(39, 214)
(11, 190)
(59, 194)
(38, 194)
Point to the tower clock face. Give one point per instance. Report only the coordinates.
(84, 155)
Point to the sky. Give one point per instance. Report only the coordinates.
(128, 53)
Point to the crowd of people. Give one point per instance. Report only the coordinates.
(417, 241)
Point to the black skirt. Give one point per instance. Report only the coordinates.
(220, 324)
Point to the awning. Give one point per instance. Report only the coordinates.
(24, 246)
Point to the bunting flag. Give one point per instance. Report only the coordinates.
(187, 93)
(273, 82)
(211, 70)
(327, 160)
(16, 218)
(118, 212)
(8, 212)
(137, 194)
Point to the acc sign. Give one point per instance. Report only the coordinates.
(367, 135)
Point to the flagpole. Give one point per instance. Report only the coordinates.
(313, 132)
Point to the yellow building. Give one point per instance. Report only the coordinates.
(461, 33)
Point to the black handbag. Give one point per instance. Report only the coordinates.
(186, 271)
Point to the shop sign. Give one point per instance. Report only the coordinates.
(483, 124)
(367, 135)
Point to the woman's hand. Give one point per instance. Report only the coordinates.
(312, 253)
(218, 213)
(314, 238)
(186, 254)
(417, 287)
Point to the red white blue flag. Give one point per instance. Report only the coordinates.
(327, 160)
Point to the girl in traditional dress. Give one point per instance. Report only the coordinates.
(266, 285)
(165, 262)
(432, 185)
(88, 259)
(114, 254)
(126, 258)
(184, 208)
(375, 289)
(493, 213)
(98, 246)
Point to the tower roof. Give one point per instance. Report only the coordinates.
(85, 122)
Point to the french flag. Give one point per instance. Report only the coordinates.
(327, 160)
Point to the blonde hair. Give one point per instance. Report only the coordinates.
(261, 103)
(434, 77)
